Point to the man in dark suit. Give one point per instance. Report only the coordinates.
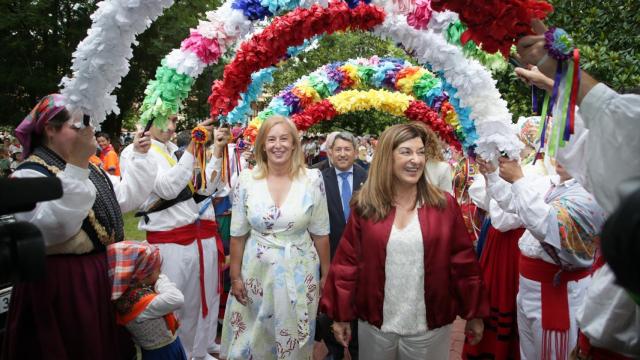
(341, 181)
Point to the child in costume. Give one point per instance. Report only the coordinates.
(145, 300)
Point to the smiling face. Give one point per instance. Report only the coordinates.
(278, 145)
(408, 161)
(103, 142)
(343, 155)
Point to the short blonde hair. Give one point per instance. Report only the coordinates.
(376, 197)
(296, 164)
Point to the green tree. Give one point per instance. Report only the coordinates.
(39, 37)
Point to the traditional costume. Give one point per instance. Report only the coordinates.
(68, 314)
(601, 155)
(556, 252)
(189, 247)
(146, 310)
(405, 306)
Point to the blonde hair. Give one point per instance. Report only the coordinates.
(296, 163)
(376, 197)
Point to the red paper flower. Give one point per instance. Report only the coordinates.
(419, 111)
(268, 47)
(313, 114)
(496, 25)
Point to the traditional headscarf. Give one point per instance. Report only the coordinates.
(129, 263)
(528, 127)
(34, 123)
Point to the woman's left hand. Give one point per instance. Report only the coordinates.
(323, 280)
(473, 330)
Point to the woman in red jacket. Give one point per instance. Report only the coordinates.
(405, 266)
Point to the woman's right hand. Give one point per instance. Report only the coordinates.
(82, 147)
(342, 332)
(239, 291)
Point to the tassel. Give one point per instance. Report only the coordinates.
(200, 135)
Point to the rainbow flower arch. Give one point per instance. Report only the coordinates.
(101, 60)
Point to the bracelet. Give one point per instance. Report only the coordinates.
(232, 281)
(558, 43)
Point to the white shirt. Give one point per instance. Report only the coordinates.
(404, 309)
(601, 154)
(604, 153)
(169, 182)
(501, 220)
(60, 219)
(439, 174)
(349, 179)
(167, 300)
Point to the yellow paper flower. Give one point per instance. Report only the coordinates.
(354, 100)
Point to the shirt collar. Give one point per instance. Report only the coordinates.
(338, 172)
(555, 180)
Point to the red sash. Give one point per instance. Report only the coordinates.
(186, 235)
(555, 302)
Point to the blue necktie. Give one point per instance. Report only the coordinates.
(346, 194)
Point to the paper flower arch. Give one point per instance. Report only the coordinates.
(372, 73)
(101, 60)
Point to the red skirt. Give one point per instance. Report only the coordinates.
(499, 264)
(67, 315)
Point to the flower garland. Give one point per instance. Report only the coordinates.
(101, 60)
(270, 45)
(474, 87)
(394, 103)
(378, 73)
(495, 25)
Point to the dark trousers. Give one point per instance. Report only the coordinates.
(323, 331)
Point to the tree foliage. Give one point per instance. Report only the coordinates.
(38, 38)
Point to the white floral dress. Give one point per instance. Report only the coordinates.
(280, 269)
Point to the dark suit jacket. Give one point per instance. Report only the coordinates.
(322, 165)
(334, 201)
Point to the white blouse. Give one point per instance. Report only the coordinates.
(404, 310)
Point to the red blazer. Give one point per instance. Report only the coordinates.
(452, 283)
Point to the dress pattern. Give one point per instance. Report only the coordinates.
(280, 269)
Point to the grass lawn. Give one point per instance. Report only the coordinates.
(131, 231)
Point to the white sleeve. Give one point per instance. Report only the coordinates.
(500, 191)
(213, 171)
(134, 187)
(478, 192)
(170, 182)
(167, 300)
(503, 221)
(535, 213)
(573, 156)
(60, 219)
(445, 178)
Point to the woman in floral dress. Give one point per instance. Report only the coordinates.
(279, 251)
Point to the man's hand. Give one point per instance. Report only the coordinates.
(531, 50)
(533, 76)
(142, 142)
(485, 167)
(510, 170)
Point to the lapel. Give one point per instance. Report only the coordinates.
(358, 179)
(333, 190)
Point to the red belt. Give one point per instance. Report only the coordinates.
(186, 235)
(555, 302)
